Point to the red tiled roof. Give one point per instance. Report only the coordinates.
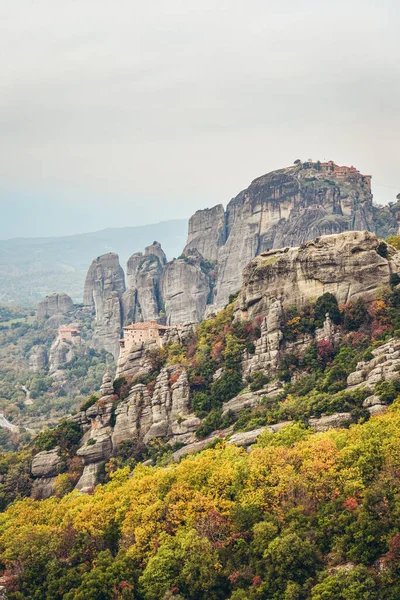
(149, 325)
(64, 329)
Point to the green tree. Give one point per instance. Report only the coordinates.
(326, 303)
(187, 562)
(356, 584)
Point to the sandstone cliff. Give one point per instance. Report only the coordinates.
(348, 265)
(206, 232)
(104, 287)
(38, 359)
(140, 418)
(185, 289)
(54, 305)
(283, 208)
(142, 300)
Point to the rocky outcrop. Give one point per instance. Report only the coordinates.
(327, 422)
(266, 353)
(384, 366)
(140, 418)
(135, 363)
(62, 352)
(250, 399)
(206, 232)
(104, 287)
(38, 359)
(54, 305)
(156, 250)
(45, 468)
(348, 265)
(142, 301)
(96, 446)
(284, 208)
(185, 290)
(165, 415)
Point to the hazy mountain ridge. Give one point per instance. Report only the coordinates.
(30, 268)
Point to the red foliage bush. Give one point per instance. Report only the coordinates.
(174, 378)
(351, 504)
(325, 351)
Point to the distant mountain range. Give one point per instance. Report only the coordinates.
(31, 268)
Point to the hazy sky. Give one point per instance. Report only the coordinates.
(127, 112)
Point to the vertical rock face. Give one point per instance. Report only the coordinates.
(142, 301)
(53, 305)
(140, 418)
(185, 289)
(283, 208)
(266, 355)
(96, 444)
(206, 232)
(105, 274)
(164, 415)
(134, 364)
(286, 208)
(104, 287)
(38, 359)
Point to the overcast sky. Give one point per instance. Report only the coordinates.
(128, 112)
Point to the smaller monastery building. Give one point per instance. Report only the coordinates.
(142, 333)
(69, 334)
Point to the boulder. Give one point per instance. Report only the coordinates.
(246, 438)
(46, 463)
(45, 468)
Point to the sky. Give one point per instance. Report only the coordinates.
(128, 112)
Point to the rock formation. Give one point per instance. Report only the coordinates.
(54, 305)
(266, 352)
(38, 359)
(96, 445)
(45, 468)
(385, 366)
(206, 232)
(104, 287)
(62, 351)
(142, 301)
(141, 418)
(185, 290)
(348, 265)
(135, 363)
(283, 208)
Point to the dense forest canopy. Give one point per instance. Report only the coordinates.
(302, 516)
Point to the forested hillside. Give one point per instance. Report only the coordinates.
(289, 492)
(301, 517)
